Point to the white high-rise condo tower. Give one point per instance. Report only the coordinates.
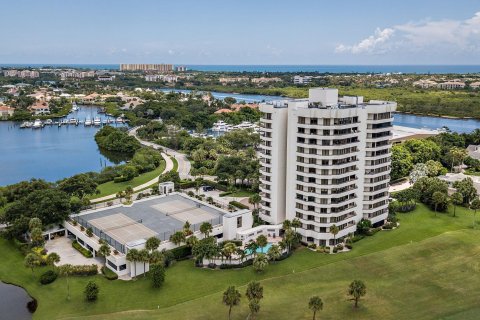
(325, 161)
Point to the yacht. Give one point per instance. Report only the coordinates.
(37, 124)
(97, 121)
(48, 122)
(75, 107)
(88, 122)
(221, 126)
(26, 124)
(72, 121)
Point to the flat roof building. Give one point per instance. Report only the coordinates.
(325, 161)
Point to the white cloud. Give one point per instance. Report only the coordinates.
(447, 36)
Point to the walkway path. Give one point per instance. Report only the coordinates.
(400, 186)
(168, 166)
(184, 165)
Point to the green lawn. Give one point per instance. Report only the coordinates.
(175, 164)
(112, 187)
(241, 193)
(427, 269)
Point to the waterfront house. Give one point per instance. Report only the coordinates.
(6, 111)
(40, 108)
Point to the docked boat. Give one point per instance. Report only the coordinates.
(221, 126)
(119, 120)
(72, 121)
(26, 124)
(37, 124)
(48, 122)
(75, 107)
(88, 122)
(97, 121)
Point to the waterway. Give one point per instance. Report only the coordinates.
(13, 302)
(53, 152)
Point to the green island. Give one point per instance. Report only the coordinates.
(420, 264)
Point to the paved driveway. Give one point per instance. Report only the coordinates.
(68, 255)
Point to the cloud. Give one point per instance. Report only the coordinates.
(447, 36)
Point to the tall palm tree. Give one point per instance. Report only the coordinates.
(104, 251)
(274, 252)
(456, 199)
(156, 257)
(252, 246)
(334, 231)
(231, 298)
(254, 200)
(260, 262)
(296, 224)
(206, 229)
(132, 257)
(144, 256)
(178, 237)
(254, 306)
(315, 304)
(229, 249)
(261, 241)
(152, 244)
(254, 291)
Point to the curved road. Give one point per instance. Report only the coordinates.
(183, 163)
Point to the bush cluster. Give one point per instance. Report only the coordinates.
(82, 270)
(86, 253)
(109, 274)
(238, 205)
(48, 277)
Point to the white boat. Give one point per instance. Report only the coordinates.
(119, 120)
(88, 122)
(26, 124)
(37, 124)
(72, 121)
(221, 126)
(97, 121)
(48, 122)
(75, 107)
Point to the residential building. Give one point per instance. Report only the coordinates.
(146, 67)
(225, 80)
(325, 161)
(40, 108)
(21, 74)
(450, 85)
(6, 111)
(265, 80)
(180, 68)
(302, 79)
(425, 84)
(475, 85)
(161, 77)
(106, 78)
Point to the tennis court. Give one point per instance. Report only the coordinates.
(122, 228)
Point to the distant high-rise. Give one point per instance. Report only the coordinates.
(146, 67)
(325, 161)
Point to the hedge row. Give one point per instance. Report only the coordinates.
(182, 252)
(237, 266)
(85, 270)
(86, 253)
(238, 205)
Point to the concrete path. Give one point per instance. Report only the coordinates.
(400, 186)
(168, 167)
(69, 255)
(184, 165)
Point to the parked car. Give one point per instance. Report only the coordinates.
(207, 188)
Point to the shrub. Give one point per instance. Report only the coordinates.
(32, 305)
(237, 266)
(86, 253)
(78, 270)
(182, 252)
(224, 194)
(74, 222)
(109, 274)
(89, 232)
(358, 237)
(312, 246)
(372, 231)
(212, 265)
(48, 277)
(157, 272)
(82, 228)
(238, 205)
(91, 291)
(348, 246)
(340, 247)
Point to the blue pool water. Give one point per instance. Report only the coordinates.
(259, 250)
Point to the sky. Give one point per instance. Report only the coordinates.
(320, 32)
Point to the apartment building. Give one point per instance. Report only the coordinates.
(22, 73)
(302, 79)
(146, 67)
(325, 161)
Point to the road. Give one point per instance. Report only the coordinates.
(184, 165)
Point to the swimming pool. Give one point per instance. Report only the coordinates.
(259, 250)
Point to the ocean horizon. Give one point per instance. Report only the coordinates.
(408, 69)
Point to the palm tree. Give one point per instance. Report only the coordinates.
(254, 307)
(104, 251)
(456, 199)
(254, 291)
(252, 246)
(156, 257)
(254, 200)
(260, 262)
(144, 256)
(231, 298)
(334, 231)
(357, 289)
(186, 228)
(191, 241)
(287, 224)
(274, 252)
(152, 244)
(296, 224)
(315, 304)
(132, 256)
(241, 254)
(177, 238)
(206, 228)
(229, 249)
(475, 205)
(261, 242)
(53, 258)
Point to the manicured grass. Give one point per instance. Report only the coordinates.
(175, 164)
(112, 187)
(240, 193)
(426, 269)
